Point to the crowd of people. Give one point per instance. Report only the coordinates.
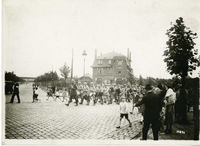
(93, 94)
(160, 106)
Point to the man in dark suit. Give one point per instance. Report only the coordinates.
(151, 113)
(73, 93)
(15, 92)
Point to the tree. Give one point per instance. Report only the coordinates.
(65, 70)
(10, 76)
(181, 56)
(130, 77)
(141, 81)
(54, 76)
(47, 77)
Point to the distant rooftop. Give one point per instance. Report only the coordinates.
(110, 55)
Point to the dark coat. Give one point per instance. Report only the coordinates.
(117, 91)
(151, 102)
(16, 88)
(73, 89)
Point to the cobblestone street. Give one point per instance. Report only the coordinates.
(53, 120)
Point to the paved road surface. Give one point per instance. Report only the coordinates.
(53, 120)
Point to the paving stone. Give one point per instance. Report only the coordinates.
(20, 137)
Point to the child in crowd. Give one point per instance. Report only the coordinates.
(57, 95)
(162, 119)
(35, 95)
(123, 111)
(64, 94)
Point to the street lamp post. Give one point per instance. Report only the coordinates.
(84, 55)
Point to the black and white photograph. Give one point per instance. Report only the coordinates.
(100, 72)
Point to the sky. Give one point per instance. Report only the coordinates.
(39, 35)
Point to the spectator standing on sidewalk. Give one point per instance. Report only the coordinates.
(123, 111)
(169, 99)
(161, 91)
(141, 108)
(162, 119)
(15, 92)
(151, 113)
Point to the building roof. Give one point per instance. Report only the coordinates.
(110, 55)
(85, 77)
(97, 65)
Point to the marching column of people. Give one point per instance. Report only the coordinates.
(104, 94)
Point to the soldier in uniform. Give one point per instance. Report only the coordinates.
(73, 93)
(117, 93)
(93, 94)
(111, 94)
(99, 94)
(104, 93)
(80, 91)
(85, 94)
(128, 93)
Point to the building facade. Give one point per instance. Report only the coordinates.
(111, 68)
(85, 79)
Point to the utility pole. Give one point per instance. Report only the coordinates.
(84, 55)
(72, 64)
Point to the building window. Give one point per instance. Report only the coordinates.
(100, 61)
(120, 63)
(119, 71)
(108, 71)
(109, 61)
(99, 71)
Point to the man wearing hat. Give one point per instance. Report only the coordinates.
(151, 113)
